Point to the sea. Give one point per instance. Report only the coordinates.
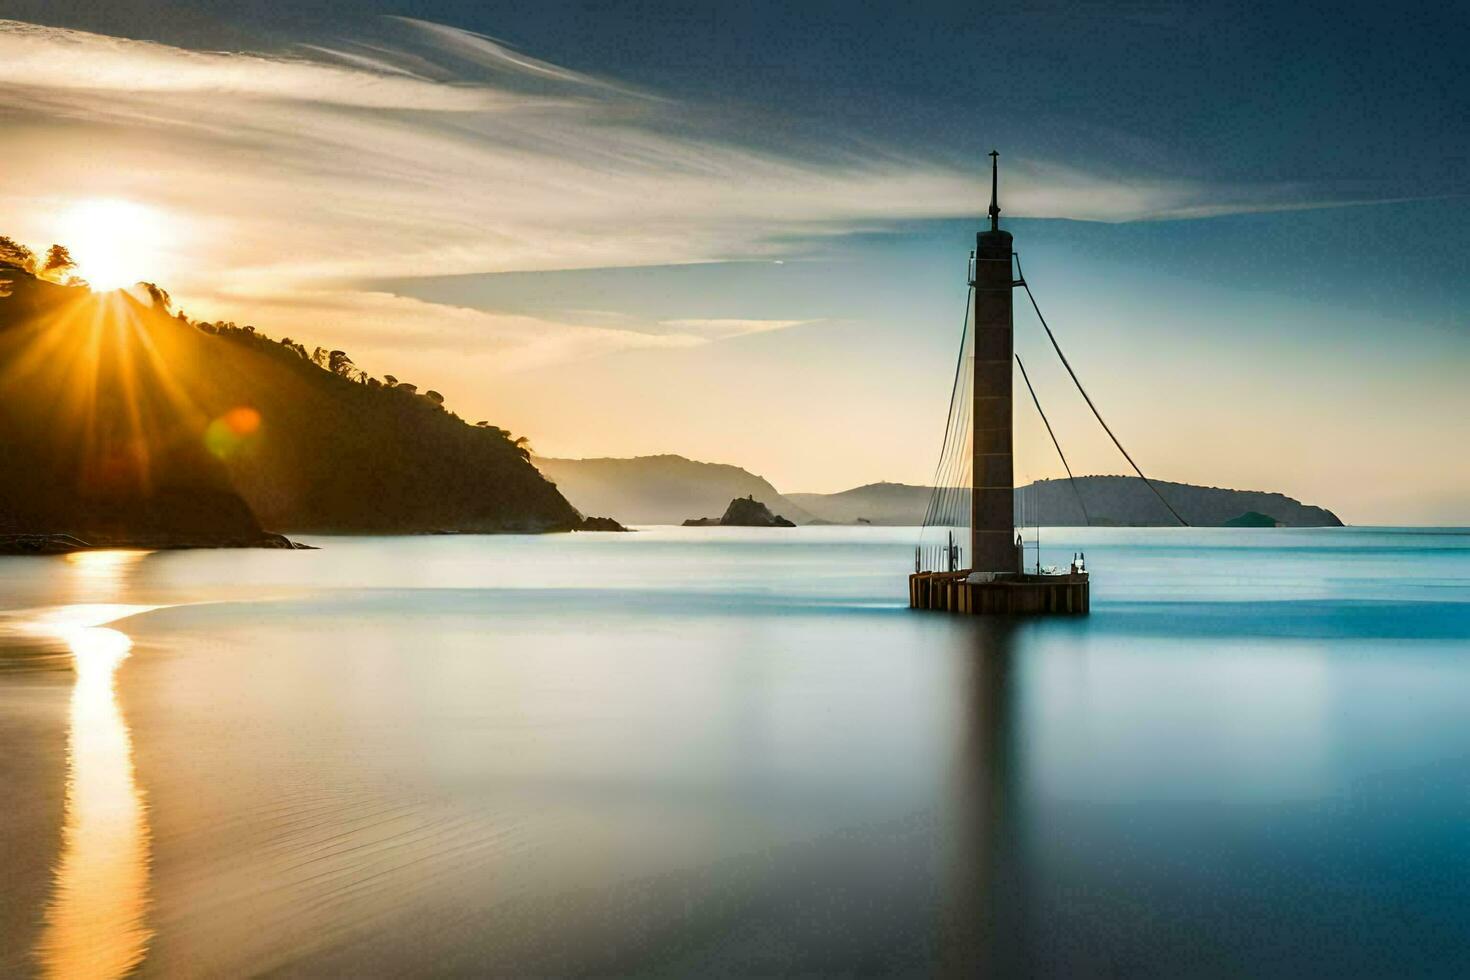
(735, 752)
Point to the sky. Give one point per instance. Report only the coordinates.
(739, 232)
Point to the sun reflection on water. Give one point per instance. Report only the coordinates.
(97, 575)
(95, 921)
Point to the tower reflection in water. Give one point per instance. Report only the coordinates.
(96, 918)
(984, 926)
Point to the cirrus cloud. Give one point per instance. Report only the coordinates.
(38, 57)
(439, 151)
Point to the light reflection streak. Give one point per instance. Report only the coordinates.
(95, 923)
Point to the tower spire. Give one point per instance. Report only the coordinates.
(994, 191)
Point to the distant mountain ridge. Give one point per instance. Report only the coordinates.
(665, 489)
(668, 489)
(1110, 501)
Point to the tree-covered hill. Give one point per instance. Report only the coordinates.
(114, 408)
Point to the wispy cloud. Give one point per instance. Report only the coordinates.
(724, 329)
(386, 321)
(515, 342)
(443, 151)
(486, 52)
(54, 58)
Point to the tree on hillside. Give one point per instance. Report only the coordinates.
(523, 445)
(58, 263)
(14, 253)
(389, 380)
(157, 294)
(435, 397)
(339, 363)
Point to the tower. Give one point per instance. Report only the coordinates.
(992, 501)
(995, 583)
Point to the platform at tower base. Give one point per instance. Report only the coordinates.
(1006, 595)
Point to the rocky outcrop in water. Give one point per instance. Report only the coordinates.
(743, 512)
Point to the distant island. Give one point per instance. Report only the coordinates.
(126, 423)
(667, 489)
(1110, 501)
(742, 512)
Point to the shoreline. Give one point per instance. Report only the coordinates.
(64, 544)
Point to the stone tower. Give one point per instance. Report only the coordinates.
(992, 515)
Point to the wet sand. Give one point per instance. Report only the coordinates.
(32, 772)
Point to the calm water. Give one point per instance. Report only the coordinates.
(734, 752)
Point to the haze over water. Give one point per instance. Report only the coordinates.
(731, 751)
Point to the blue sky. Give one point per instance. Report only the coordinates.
(1246, 221)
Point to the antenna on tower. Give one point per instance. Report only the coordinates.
(994, 191)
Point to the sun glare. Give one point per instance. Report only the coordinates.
(115, 243)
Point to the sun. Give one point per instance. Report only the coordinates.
(114, 242)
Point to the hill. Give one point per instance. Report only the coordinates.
(1110, 500)
(124, 422)
(660, 489)
(877, 503)
(742, 512)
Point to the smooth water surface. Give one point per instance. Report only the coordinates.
(719, 751)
